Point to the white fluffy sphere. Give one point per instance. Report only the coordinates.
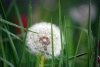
(41, 42)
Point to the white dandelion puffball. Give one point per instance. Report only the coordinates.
(41, 43)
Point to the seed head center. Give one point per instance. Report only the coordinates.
(44, 40)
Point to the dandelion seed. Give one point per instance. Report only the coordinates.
(42, 42)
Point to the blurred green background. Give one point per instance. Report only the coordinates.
(74, 13)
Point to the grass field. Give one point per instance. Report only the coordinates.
(79, 44)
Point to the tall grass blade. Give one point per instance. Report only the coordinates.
(7, 62)
(79, 55)
(60, 24)
(66, 42)
(13, 38)
(18, 16)
(97, 37)
(89, 38)
(13, 48)
(3, 9)
(30, 23)
(15, 25)
(10, 33)
(53, 61)
(3, 52)
(9, 8)
(77, 48)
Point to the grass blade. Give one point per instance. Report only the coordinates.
(60, 24)
(18, 16)
(13, 48)
(15, 25)
(3, 9)
(53, 61)
(89, 38)
(9, 8)
(66, 42)
(13, 38)
(30, 23)
(10, 33)
(7, 62)
(3, 53)
(79, 55)
(77, 48)
(97, 37)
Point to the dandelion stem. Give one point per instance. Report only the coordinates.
(42, 61)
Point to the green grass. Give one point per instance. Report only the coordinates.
(66, 43)
(53, 61)
(89, 38)
(60, 25)
(17, 54)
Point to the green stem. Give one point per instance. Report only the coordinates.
(89, 37)
(60, 24)
(18, 16)
(42, 61)
(77, 48)
(53, 62)
(66, 42)
(3, 53)
(97, 40)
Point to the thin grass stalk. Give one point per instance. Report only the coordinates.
(15, 25)
(89, 38)
(13, 48)
(18, 16)
(2, 9)
(77, 56)
(7, 62)
(53, 61)
(30, 13)
(97, 36)
(66, 42)
(32, 60)
(60, 24)
(97, 41)
(77, 48)
(28, 59)
(1, 42)
(9, 8)
(10, 33)
(3, 52)
(37, 60)
(23, 49)
(30, 23)
(13, 38)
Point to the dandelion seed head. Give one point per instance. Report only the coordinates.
(41, 43)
